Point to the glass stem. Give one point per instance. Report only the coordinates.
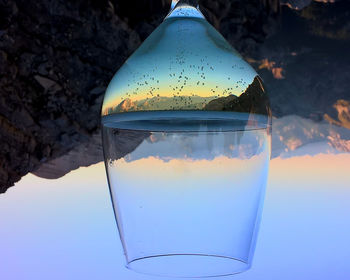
(193, 3)
(173, 4)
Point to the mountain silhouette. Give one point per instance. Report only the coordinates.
(161, 103)
(125, 106)
(253, 100)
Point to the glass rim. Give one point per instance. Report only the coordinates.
(231, 270)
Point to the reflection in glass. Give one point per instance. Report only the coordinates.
(186, 137)
(185, 64)
(193, 196)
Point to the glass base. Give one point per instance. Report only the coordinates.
(188, 265)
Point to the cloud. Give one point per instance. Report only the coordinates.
(291, 133)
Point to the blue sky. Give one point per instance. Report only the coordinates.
(65, 229)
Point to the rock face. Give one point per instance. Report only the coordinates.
(84, 154)
(306, 63)
(57, 57)
(245, 24)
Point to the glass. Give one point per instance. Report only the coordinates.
(186, 137)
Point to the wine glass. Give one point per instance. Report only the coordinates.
(186, 138)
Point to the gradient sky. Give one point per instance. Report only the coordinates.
(65, 229)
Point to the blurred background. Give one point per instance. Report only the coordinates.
(56, 60)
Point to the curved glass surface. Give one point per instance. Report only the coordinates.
(185, 64)
(186, 138)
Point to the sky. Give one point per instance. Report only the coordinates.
(65, 228)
